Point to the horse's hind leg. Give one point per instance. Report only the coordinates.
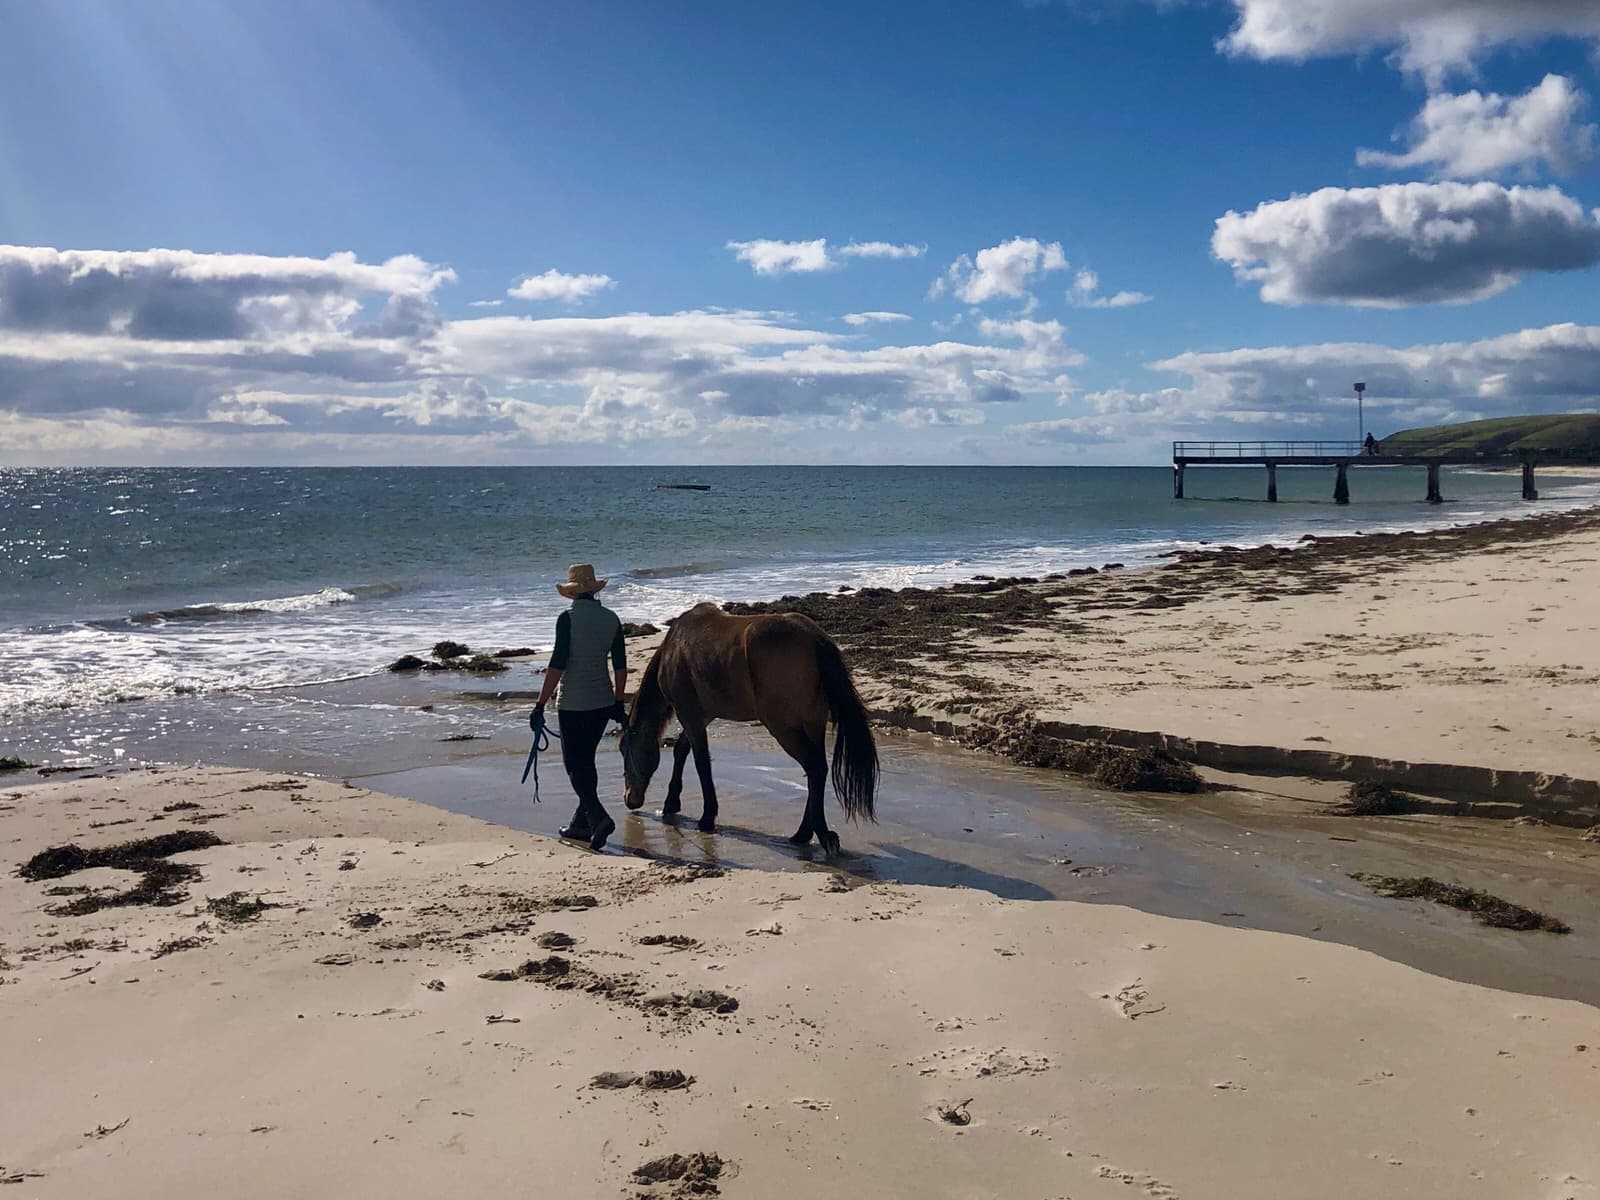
(680, 755)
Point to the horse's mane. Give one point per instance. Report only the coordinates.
(650, 708)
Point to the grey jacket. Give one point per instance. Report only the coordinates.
(589, 646)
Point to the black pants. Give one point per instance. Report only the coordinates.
(581, 731)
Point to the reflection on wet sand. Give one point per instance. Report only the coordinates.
(954, 819)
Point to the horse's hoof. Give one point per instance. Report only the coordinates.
(669, 815)
(800, 838)
(830, 842)
(706, 824)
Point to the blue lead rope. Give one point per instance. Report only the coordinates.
(541, 742)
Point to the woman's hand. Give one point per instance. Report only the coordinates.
(619, 713)
(536, 717)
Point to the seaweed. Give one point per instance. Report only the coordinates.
(1370, 798)
(176, 944)
(447, 650)
(10, 762)
(160, 884)
(1490, 910)
(1126, 769)
(137, 855)
(236, 908)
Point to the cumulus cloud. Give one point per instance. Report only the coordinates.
(859, 319)
(1005, 271)
(1404, 244)
(179, 295)
(881, 250)
(1013, 268)
(557, 285)
(1085, 293)
(769, 257)
(309, 358)
(1474, 134)
(1524, 371)
(1431, 38)
(1306, 390)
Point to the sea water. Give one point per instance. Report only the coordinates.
(138, 604)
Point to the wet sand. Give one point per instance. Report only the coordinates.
(1252, 859)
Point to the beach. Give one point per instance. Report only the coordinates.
(375, 1032)
(357, 993)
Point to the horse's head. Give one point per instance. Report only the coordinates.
(641, 755)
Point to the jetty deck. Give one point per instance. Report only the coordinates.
(1341, 456)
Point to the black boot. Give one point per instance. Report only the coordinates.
(602, 828)
(579, 828)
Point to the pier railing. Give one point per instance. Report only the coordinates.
(1258, 450)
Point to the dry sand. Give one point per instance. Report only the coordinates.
(1092, 1051)
(1479, 648)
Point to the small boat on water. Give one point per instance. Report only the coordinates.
(683, 487)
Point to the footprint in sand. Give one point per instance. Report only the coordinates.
(1151, 1185)
(969, 1062)
(813, 1105)
(1133, 1001)
(675, 941)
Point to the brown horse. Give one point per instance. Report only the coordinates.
(781, 670)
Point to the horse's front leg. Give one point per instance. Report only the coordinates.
(708, 789)
(674, 802)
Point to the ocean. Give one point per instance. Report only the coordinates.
(234, 614)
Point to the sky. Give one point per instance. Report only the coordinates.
(968, 231)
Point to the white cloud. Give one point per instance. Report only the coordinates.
(1404, 244)
(859, 319)
(484, 303)
(1044, 341)
(1005, 271)
(1306, 390)
(296, 365)
(1520, 371)
(881, 250)
(1429, 37)
(556, 285)
(769, 257)
(1476, 135)
(1085, 293)
(154, 295)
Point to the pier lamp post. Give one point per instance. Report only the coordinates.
(1361, 420)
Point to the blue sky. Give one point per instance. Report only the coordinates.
(985, 152)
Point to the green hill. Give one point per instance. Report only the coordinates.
(1575, 436)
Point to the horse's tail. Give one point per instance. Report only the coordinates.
(855, 754)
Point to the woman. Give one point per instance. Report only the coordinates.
(587, 634)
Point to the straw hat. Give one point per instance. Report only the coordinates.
(580, 579)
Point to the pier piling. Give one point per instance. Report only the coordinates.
(1341, 484)
(1272, 483)
(1529, 491)
(1435, 495)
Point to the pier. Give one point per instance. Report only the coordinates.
(1339, 455)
